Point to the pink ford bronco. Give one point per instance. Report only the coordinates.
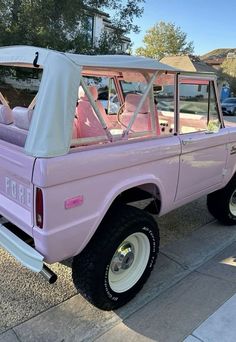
(81, 139)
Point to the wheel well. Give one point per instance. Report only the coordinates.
(134, 194)
(138, 193)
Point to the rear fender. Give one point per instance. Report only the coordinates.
(117, 190)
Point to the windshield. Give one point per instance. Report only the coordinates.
(133, 87)
(230, 100)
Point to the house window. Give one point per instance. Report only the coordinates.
(87, 28)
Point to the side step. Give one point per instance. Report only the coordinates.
(24, 253)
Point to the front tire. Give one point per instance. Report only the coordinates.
(222, 203)
(118, 260)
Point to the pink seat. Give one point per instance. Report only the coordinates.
(6, 116)
(88, 123)
(15, 133)
(22, 117)
(143, 119)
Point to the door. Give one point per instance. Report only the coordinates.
(203, 138)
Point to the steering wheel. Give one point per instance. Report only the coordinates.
(120, 112)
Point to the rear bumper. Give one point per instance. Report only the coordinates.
(24, 253)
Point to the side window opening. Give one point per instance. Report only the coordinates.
(104, 94)
(164, 93)
(198, 110)
(118, 115)
(132, 94)
(107, 92)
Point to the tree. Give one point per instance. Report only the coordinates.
(165, 39)
(61, 24)
(228, 72)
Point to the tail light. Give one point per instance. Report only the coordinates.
(39, 208)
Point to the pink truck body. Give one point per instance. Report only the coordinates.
(79, 187)
(98, 176)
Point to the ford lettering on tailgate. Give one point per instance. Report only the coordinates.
(18, 192)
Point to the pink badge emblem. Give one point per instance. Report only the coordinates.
(74, 202)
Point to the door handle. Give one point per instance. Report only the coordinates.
(186, 142)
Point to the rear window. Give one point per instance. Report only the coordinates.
(19, 85)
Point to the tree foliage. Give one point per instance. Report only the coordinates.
(61, 24)
(228, 72)
(165, 39)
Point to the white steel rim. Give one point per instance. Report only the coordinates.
(129, 262)
(232, 203)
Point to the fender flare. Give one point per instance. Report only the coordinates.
(115, 192)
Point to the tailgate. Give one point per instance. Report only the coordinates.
(16, 189)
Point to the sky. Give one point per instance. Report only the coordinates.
(210, 24)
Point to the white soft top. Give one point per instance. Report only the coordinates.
(25, 55)
(51, 126)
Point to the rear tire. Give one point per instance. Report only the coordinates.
(222, 203)
(118, 260)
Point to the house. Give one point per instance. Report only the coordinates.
(187, 63)
(216, 57)
(97, 23)
(192, 63)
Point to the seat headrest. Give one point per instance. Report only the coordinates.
(82, 96)
(22, 117)
(132, 101)
(6, 116)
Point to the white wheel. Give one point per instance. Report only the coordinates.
(129, 262)
(117, 262)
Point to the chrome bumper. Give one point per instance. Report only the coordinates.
(27, 256)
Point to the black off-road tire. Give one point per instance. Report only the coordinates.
(91, 269)
(220, 203)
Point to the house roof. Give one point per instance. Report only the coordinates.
(217, 54)
(187, 63)
(93, 10)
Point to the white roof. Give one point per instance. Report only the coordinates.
(25, 54)
(51, 126)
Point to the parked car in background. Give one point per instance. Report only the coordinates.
(229, 106)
